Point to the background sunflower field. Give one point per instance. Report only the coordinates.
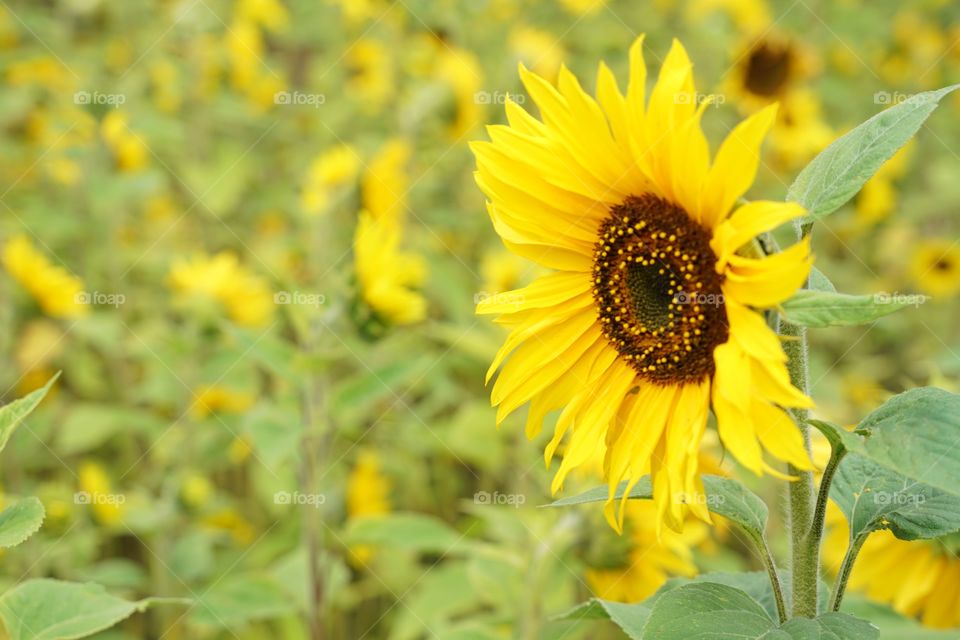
(247, 235)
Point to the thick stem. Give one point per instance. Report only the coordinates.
(311, 533)
(836, 597)
(804, 550)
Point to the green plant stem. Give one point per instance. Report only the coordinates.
(771, 568)
(804, 549)
(840, 586)
(820, 512)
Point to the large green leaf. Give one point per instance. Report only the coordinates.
(707, 610)
(818, 309)
(892, 624)
(833, 626)
(11, 415)
(915, 434)
(724, 497)
(45, 609)
(873, 497)
(20, 521)
(629, 617)
(834, 176)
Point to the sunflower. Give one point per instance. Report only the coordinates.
(651, 316)
(935, 267)
(918, 578)
(767, 69)
(368, 496)
(221, 278)
(58, 292)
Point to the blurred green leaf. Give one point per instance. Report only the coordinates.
(412, 531)
(46, 609)
(834, 176)
(817, 309)
(239, 599)
(892, 624)
(629, 617)
(20, 521)
(12, 414)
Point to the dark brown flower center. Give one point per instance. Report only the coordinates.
(768, 69)
(657, 291)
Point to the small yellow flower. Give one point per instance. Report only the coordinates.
(230, 521)
(327, 174)
(371, 71)
(196, 490)
(386, 276)
(97, 492)
(750, 16)
(799, 132)
(245, 296)
(385, 181)
(129, 150)
(219, 399)
(240, 450)
(501, 271)
(44, 71)
(271, 15)
(57, 291)
(461, 71)
(583, 7)
(540, 50)
(935, 267)
(165, 81)
(368, 495)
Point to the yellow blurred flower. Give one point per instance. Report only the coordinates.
(240, 450)
(63, 170)
(205, 59)
(196, 490)
(539, 50)
(935, 267)
(632, 567)
(9, 35)
(358, 11)
(501, 271)
(461, 71)
(583, 7)
(767, 69)
(878, 197)
(219, 399)
(386, 276)
(57, 291)
(799, 132)
(129, 150)
(918, 578)
(96, 491)
(240, 529)
(268, 14)
(750, 16)
(38, 345)
(43, 71)
(368, 495)
(165, 81)
(385, 181)
(245, 296)
(371, 71)
(326, 175)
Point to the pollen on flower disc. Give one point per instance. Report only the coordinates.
(657, 291)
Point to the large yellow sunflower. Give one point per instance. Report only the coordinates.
(651, 317)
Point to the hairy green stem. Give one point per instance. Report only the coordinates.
(771, 568)
(804, 548)
(840, 586)
(820, 512)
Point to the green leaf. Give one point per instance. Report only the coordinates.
(240, 599)
(833, 626)
(725, 497)
(11, 415)
(629, 617)
(872, 498)
(46, 609)
(915, 434)
(818, 309)
(707, 610)
(891, 623)
(834, 176)
(413, 531)
(20, 521)
(818, 281)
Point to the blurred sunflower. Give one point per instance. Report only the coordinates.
(128, 149)
(540, 50)
(327, 175)
(583, 7)
(385, 182)
(386, 276)
(750, 16)
(766, 70)
(651, 317)
(217, 398)
(935, 267)
(800, 132)
(58, 292)
(245, 296)
(368, 496)
(878, 197)
(919, 578)
(96, 490)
